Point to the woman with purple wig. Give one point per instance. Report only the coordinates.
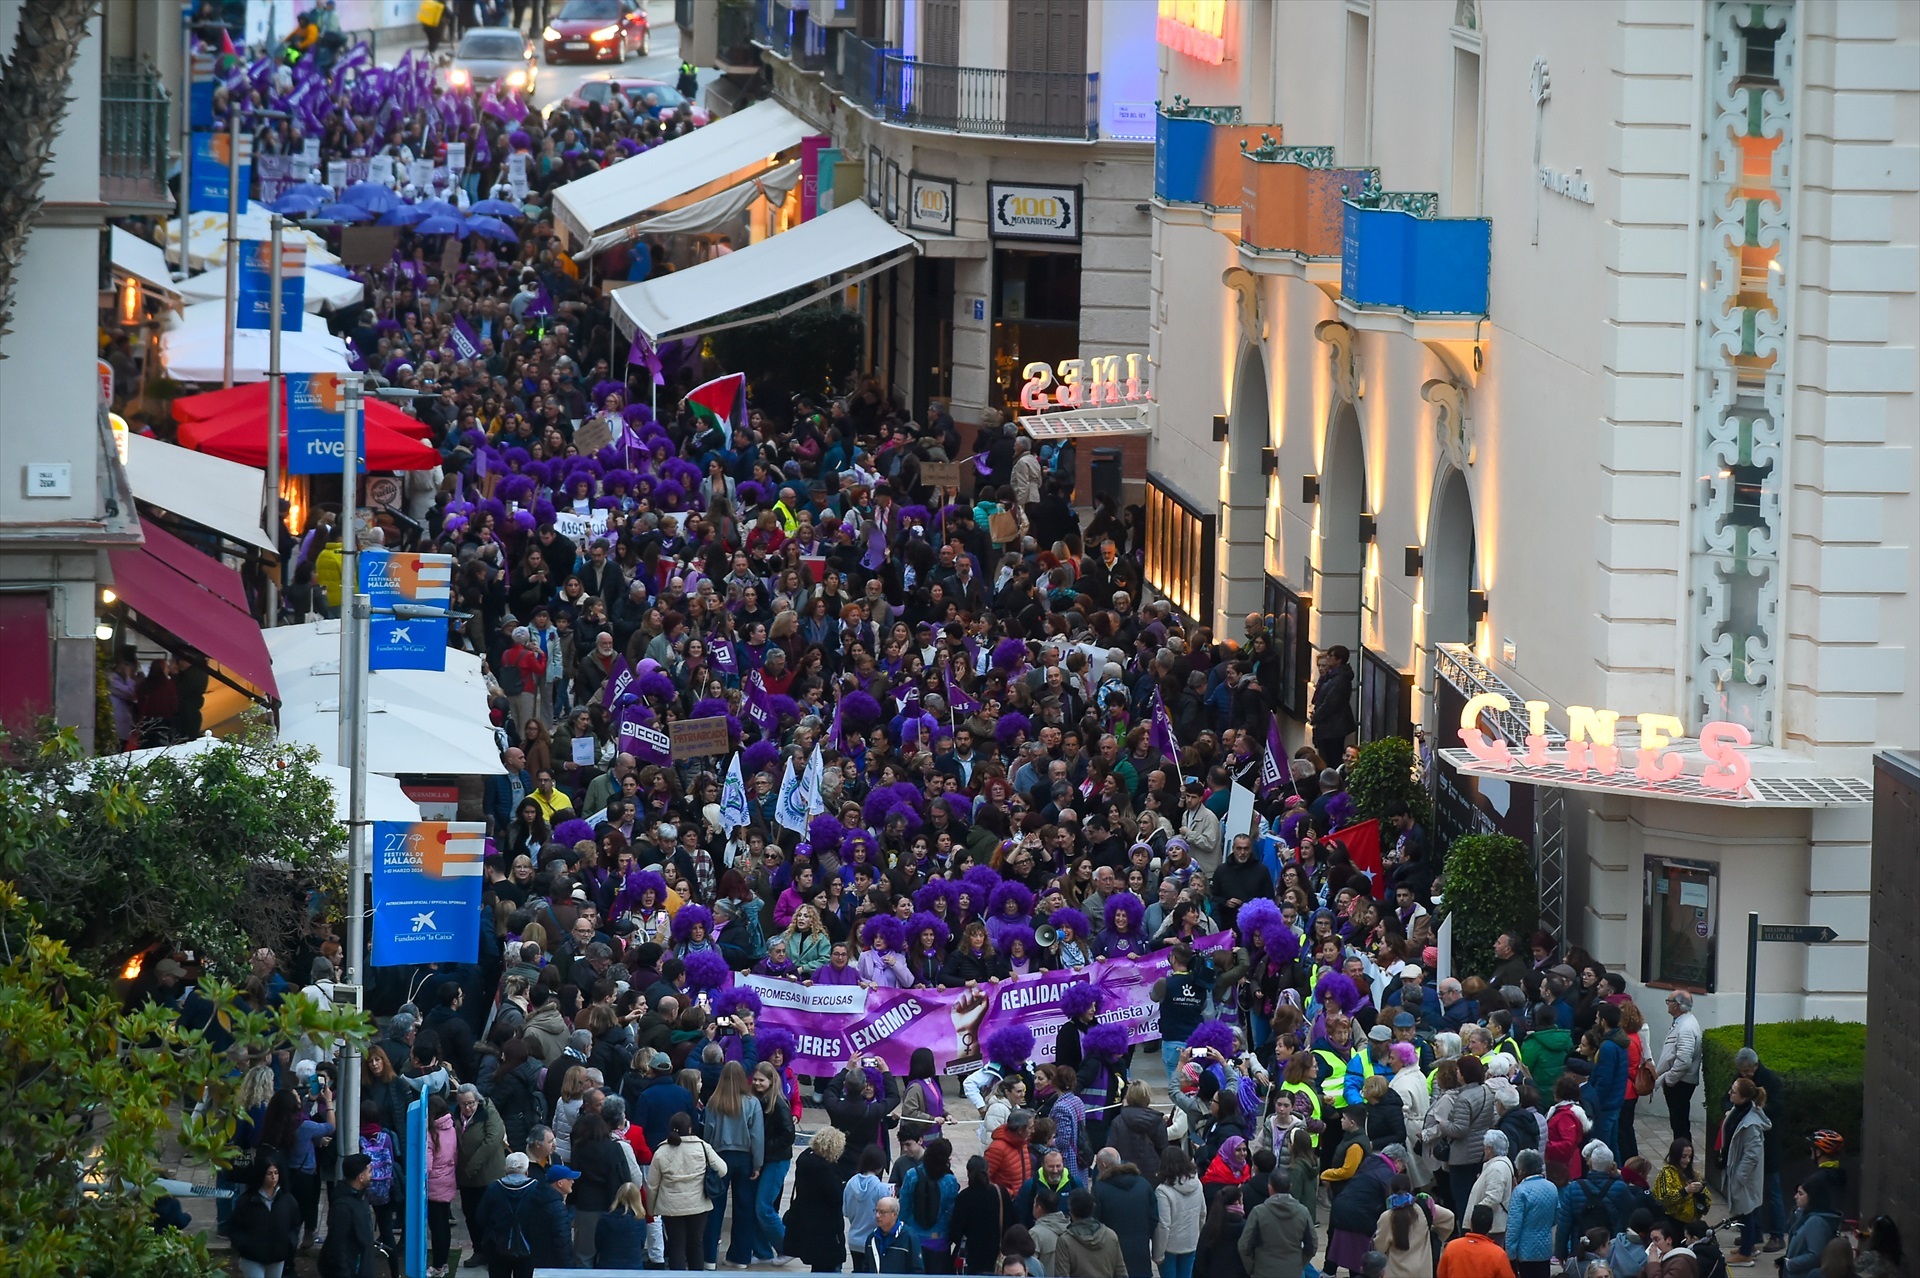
(1125, 936)
(883, 964)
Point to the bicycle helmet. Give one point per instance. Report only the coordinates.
(1828, 1143)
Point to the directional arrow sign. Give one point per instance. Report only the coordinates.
(1797, 933)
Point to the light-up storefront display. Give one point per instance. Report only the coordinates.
(1180, 551)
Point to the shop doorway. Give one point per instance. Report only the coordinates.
(932, 332)
(1342, 555)
(1451, 572)
(1243, 493)
(1036, 317)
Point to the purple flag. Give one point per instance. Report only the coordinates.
(542, 303)
(647, 744)
(725, 659)
(619, 677)
(836, 735)
(958, 699)
(641, 352)
(759, 709)
(1274, 773)
(907, 694)
(876, 548)
(465, 341)
(1160, 731)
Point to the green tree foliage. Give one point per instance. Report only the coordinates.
(1383, 773)
(214, 851)
(812, 350)
(90, 1093)
(1490, 889)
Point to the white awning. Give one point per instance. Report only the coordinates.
(837, 248)
(386, 801)
(1080, 423)
(707, 214)
(195, 350)
(210, 491)
(144, 260)
(324, 291)
(689, 168)
(418, 721)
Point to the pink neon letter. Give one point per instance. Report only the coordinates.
(1727, 769)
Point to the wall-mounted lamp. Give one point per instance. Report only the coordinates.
(104, 632)
(1269, 461)
(107, 596)
(1416, 560)
(1476, 606)
(1368, 527)
(130, 301)
(1219, 427)
(1309, 489)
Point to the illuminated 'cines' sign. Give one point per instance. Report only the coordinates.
(1590, 744)
(1197, 28)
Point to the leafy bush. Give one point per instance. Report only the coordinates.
(1822, 1068)
(1490, 889)
(813, 350)
(1384, 773)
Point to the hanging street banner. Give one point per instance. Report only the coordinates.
(316, 424)
(209, 193)
(391, 577)
(256, 284)
(426, 891)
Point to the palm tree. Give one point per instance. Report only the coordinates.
(33, 103)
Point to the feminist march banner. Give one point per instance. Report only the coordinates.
(426, 891)
(831, 1023)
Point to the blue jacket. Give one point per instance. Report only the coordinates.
(1617, 1196)
(499, 796)
(1531, 1212)
(536, 1211)
(1605, 1090)
(934, 1235)
(620, 1242)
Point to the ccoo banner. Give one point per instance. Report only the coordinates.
(390, 577)
(426, 891)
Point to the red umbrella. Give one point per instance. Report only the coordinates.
(251, 400)
(242, 437)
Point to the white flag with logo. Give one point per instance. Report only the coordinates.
(810, 783)
(734, 811)
(790, 809)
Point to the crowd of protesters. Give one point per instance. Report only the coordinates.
(983, 674)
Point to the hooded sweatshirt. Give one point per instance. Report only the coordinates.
(1088, 1250)
(1183, 1210)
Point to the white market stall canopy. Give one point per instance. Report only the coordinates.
(144, 260)
(210, 491)
(709, 214)
(325, 291)
(418, 721)
(195, 350)
(210, 238)
(835, 249)
(386, 801)
(731, 150)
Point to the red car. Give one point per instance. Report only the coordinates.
(597, 31)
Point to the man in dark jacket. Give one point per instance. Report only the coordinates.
(456, 1036)
(1332, 711)
(526, 1224)
(352, 1246)
(653, 1099)
(1279, 1237)
(1125, 1203)
(891, 1249)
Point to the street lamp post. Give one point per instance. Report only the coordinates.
(355, 620)
(233, 241)
(272, 522)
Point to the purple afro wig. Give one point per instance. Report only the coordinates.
(706, 970)
(826, 833)
(1282, 943)
(981, 880)
(636, 886)
(689, 915)
(933, 891)
(882, 798)
(776, 1042)
(1255, 917)
(1080, 999)
(1290, 829)
(736, 998)
(1217, 1035)
(887, 928)
(1136, 912)
(856, 840)
(1009, 654)
(749, 493)
(1071, 920)
(1107, 1039)
(573, 831)
(859, 711)
(1340, 810)
(707, 707)
(1009, 1047)
(1336, 989)
(1011, 727)
(918, 923)
(1018, 893)
(1011, 932)
(783, 707)
(759, 756)
(908, 818)
(656, 684)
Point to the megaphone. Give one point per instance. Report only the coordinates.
(1047, 935)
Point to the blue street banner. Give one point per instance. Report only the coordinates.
(256, 284)
(390, 577)
(316, 424)
(426, 891)
(209, 193)
(200, 91)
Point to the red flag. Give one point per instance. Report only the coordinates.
(1362, 843)
(226, 44)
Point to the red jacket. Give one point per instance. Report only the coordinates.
(1009, 1160)
(1475, 1256)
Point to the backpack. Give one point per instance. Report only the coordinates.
(518, 1246)
(1593, 1210)
(379, 1150)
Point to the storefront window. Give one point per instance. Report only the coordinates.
(1386, 699)
(1036, 316)
(1679, 925)
(1180, 542)
(1288, 615)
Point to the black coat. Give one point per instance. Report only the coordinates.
(603, 1169)
(1221, 1259)
(351, 1249)
(861, 1119)
(1125, 1203)
(263, 1231)
(981, 1215)
(1139, 1135)
(1356, 1208)
(620, 1242)
(815, 1231)
(516, 1094)
(1333, 706)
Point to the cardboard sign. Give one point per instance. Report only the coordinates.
(380, 170)
(367, 245)
(697, 738)
(940, 474)
(594, 434)
(457, 157)
(337, 175)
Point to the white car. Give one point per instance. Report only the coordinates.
(493, 56)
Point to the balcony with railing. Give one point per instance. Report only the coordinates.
(854, 70)
(134, 133)
(988, 100)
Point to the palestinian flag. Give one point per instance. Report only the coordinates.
(721, 402)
